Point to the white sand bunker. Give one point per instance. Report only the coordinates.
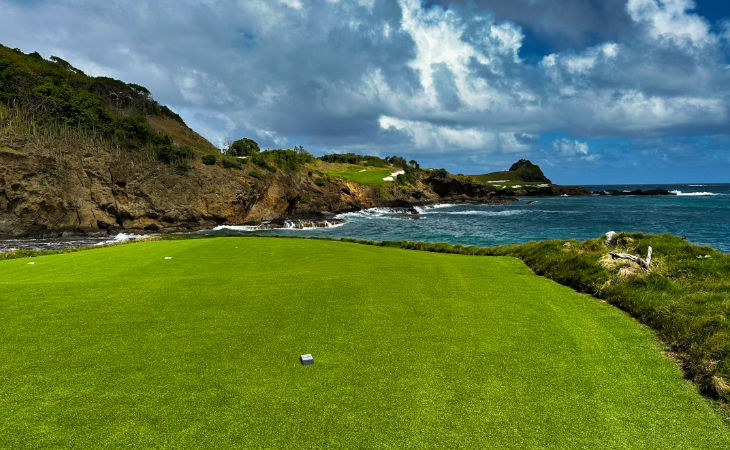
(393, 175)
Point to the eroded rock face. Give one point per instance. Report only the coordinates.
(47, 192)
(74, 188)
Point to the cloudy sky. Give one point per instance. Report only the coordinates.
(594, 91)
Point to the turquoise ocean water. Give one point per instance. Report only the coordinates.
(701, 212)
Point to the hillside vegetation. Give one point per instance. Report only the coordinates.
(54, 94)
(196, 343)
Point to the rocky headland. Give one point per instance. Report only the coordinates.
(86, 155)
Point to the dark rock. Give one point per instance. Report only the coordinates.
(529, 172)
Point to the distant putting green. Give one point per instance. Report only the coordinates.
(121, 347)
(363, 175)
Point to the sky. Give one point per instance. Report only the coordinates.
(594, 91)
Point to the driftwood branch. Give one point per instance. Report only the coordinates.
(645, 264)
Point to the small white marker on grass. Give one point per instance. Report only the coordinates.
(307, 360)
(168, 257)
(31, 263)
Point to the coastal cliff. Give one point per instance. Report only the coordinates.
(85, 155)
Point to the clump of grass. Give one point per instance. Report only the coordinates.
(231, 163)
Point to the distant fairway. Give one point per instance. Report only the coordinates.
(361, 174)
(121, 347)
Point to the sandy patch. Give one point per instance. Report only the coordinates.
(393, 175)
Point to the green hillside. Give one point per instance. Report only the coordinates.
(522, 172)
(52, 94)
(122, 346)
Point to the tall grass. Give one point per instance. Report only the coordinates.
(55, 139)
(50, 138)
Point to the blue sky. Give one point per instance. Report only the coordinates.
(594, 91)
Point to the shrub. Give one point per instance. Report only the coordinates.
(320, 181)
(174, 154)
(256, 175)
(231, 163)
(352, 158)
(288, 159)
(409, 177)
(397, 161)
(209, 160)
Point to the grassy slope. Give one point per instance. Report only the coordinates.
(54, 97)
(119, 346)
(181, 134)
(513, 177)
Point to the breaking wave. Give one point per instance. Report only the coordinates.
(429, 209)
(287, 225)
(121, 237)
(371, 213)
(508, 212)
(693, 194)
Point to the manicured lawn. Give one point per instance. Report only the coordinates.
(121, 347)
(370, 175)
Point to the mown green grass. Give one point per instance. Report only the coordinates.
(370, 176)
(686, 297)
(118, 346)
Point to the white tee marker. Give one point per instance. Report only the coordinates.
(307, 360)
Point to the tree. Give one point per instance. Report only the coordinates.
(301, 150)
(243, 147)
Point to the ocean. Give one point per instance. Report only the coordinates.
(701, 212)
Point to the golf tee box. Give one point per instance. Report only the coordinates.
(307, 360)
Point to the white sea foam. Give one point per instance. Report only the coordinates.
(121, 237)
(693, 194)
(371, 213)
(428, 208)
(288, 225)
(236, 228)
(508, 212)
